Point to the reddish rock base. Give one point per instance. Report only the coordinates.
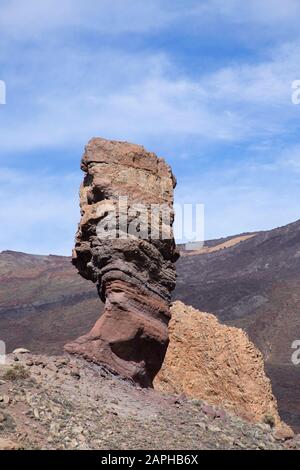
(131, 336)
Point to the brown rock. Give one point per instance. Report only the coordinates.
(283, 433)
(135, 274)
(5, 399)
(7, 444)
(21, 351)
(216, 363)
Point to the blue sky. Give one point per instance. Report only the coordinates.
(205, 84)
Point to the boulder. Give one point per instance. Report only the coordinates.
(21, 351)
(219, 364)
(7, 444)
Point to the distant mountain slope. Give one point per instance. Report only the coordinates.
(43, 302)
(255, 285)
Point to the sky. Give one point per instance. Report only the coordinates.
(205, 84)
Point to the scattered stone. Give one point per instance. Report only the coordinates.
(202, 426)
(75, 373)
(6, 444)
(39, 362)
(54, 428)
(4, 399)
(240, 445)
(180, 399)
(52, 367)
(228, 440)
(290, 445)
(221, 414)
(21, 351)
(213, 428)
(77, 430)
(283, 433)
(209, 411)
(62, 362)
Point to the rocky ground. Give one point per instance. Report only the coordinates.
(66, 403)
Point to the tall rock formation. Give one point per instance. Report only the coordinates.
(125, 245)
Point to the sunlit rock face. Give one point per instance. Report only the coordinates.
(125, 245)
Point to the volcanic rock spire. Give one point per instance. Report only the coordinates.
(125, 245)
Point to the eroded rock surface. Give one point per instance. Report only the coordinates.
(134, 273)
(213, 362)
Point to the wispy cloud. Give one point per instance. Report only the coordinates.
(266, 12)
(25, 20)
(132, 96)
(33, 18)
(207, 84)
(246, 196)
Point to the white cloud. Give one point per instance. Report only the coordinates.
(35, 18)
(22, 19)
(266, 12)
(244, 196)
(136, 97)
(110, 94)
(67, 92)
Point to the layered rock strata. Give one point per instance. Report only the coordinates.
(125, 245)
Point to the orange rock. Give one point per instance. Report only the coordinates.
(284, 433)
(216, 363)
(7, 444)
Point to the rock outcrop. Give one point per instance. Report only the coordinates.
(125, 245)
(218, 364)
